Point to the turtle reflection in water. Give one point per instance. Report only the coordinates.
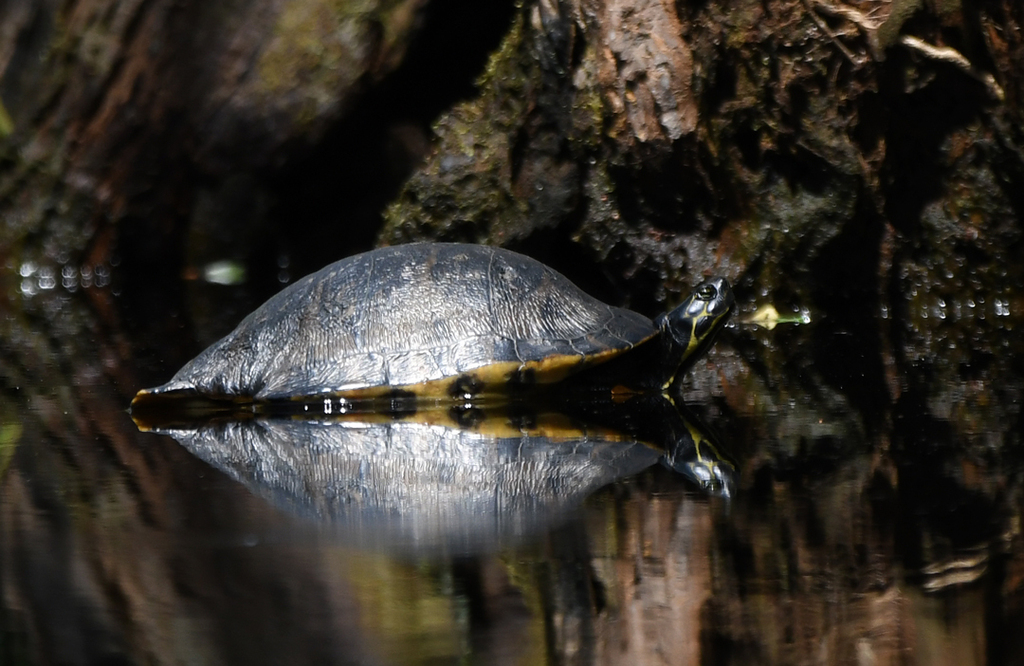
(407, 483)
(443, 322)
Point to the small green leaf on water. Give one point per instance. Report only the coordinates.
(768, 317)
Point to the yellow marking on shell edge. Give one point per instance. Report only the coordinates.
(493, 379)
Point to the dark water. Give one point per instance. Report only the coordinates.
(865, 527)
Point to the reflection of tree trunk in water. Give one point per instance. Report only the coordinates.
(570, 596)
(499, 619)
(154, 549)
(119, 545)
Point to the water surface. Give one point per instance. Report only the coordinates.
(865, 527)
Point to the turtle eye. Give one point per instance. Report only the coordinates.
(706, 293)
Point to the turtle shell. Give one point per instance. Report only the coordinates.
(431, 319)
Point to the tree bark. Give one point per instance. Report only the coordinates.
(852, 159)
(856, 160)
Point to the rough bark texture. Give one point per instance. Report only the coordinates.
(140, 129)
(861, 160)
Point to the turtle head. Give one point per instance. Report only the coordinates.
(690, 329)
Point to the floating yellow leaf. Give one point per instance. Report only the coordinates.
(768, 317)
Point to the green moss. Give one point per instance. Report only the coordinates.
(6, 124)
(304, 47)
(588, 106)
(464, 191)
(502, 70)
(320, 49)
(10, 435)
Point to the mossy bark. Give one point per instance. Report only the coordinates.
(124, 114)
(861, 161)
(854, 160)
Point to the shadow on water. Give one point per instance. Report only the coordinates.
(850, 537)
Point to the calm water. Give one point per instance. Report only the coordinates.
(864, 528)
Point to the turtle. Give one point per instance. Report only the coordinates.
(444, 321)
